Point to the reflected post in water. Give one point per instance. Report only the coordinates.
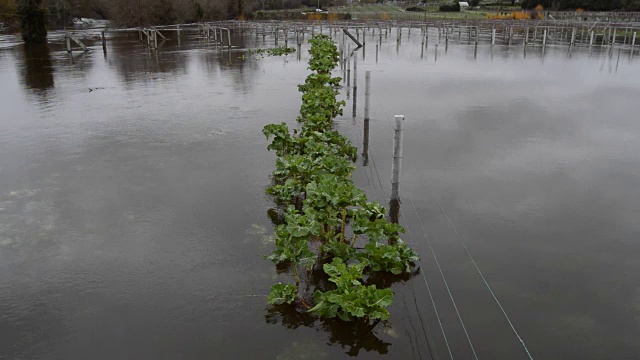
(367, 105)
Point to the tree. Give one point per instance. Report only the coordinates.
(33, 20)
(7, 9)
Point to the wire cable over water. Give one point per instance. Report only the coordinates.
(470, 257)
(433, 303)
(435, 309)
(524, 346)
(446, 284)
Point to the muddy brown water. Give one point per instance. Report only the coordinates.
(133, 220)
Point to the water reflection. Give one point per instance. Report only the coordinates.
(242, 71)
(132, 61)
(352, 336)
(37, 71)
(365, 144)
(123, 199)
(355, 335)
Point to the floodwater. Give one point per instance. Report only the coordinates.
(133, 220)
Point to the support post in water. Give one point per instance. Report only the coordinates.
(367, 93)
(613, 39)
(68, 41)
(155, 39)
(355, 83)
(397, 157)
(446, 41)
(510, 34)
(348, 66)
(355, 70)
(104, 43)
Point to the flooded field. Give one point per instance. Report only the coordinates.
(133, 219)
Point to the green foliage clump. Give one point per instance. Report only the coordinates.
(351, 299)
(276, 51)
(7, 9)
(292, 240)
(416, 9)
(453, 7)
(394, 258)
(282, 294)
(326, 213)
(324, 54)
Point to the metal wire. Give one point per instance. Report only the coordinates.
(445, 281)
(484, 280)
(433, 303)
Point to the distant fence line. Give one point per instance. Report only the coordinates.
(493, 32)
(545, 32)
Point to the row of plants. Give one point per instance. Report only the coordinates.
(331, 237)
(275, 51)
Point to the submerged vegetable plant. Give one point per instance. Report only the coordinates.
(329, 225)
(276, 51)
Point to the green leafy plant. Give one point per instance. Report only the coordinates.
(326, 214)
(396, 258)
(334, 247)
(351, 299)
(282, 294)
(276, 51)
(282, 142)
(292, 240)
(324, 54)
